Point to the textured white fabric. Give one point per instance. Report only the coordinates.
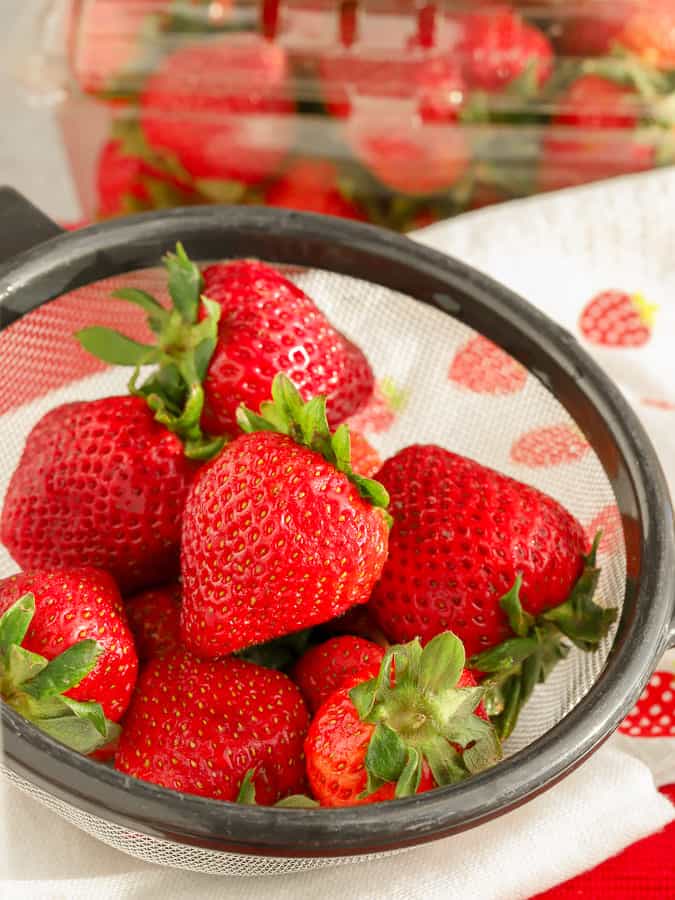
(557, 251)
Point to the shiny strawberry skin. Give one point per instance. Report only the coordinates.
(336, 746)
(200, 102)
(312, 186)
(275, 539)
(154, 619)
(198, 726)
(325, 668)
(71, 605)
(461, 535)
(269, 325)
(100, 483)
(498, 45)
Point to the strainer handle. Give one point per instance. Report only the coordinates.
(22, 225)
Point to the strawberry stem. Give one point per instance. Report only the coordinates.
(421, 714)
(182, 353)
(518, 664)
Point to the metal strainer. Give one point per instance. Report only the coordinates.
(412, 310)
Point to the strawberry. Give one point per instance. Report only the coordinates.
(312, 185)
(365, 458)
(100, 483)
(498, 47)
(224, 349)
(594, 34)
(553, 445)
(67, 658)
(410, 158)
(495, 560)
(357, 621)
(484, 368)
(606, 115)
(617, 319)
(198, 726)
(222, 108)
(154, 619)
(325, 667)
(415, 726)
(127, 183)
(279, 533)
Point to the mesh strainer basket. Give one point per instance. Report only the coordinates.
(411, 309)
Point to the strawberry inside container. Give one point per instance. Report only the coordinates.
(391, 112)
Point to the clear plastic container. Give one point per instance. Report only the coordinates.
(400, 113)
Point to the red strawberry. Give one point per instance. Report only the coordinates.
(410, 158)
(99, 483)
(326, 667)
(106, 42)
(222, 108)
(269, 325)
(498, 46)
(73, 618)
(607, 115)
(379, 414)
(467, 547)
(553, 445)
(654, 713)
(225, 337)
(278, 536)
(649, 32)
(617, 319)
(416, 726)
(484, 368)
(365, 458)
(154, 619)
(596, 33)
(198, 726)
(312, 185)
(126, 183)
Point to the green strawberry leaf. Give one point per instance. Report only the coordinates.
(185, 283)
(409, 779)
(21, 665)
(15, 621)
(297, 801)
(446, 764)
(115, 348)
(520, 621)
(78, 733)
(484, 753)
(504, 656)
(157, 315)
(246, 794)
(307, 424)
(386, 755)
(442, 662)
(89, 710)
(65, 671)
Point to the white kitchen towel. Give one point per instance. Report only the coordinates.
(558, 251)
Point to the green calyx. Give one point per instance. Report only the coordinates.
(246, 796)
(517, 665)
(421, 714)
(287, 413)
(35, 686)
(181, 354)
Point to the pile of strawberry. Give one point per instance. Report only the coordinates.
(227, 603)
(463, 108)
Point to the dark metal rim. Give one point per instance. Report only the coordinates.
(550, 353)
